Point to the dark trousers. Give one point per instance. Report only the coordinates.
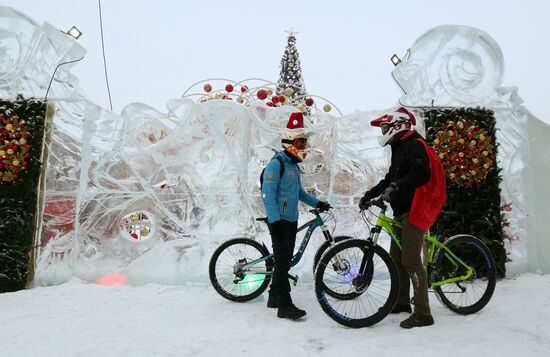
(283, 242)
(409, 266)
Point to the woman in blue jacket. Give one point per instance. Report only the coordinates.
(280, 194)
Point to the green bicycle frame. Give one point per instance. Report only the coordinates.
(388, 224)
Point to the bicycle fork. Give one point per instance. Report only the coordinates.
(366, 270)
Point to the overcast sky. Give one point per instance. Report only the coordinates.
(156, 49)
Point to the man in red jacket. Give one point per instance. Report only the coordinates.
(404, 186)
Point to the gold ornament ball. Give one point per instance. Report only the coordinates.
(486, 166)
(22, 141)
(442, 156)
(461, 154)
(145, 231)
(288, 92)
(452, 175)
(15, 162)
(473, 172)
(9, 127)
(463, 177)
(436, 141)
(327, 108)
(134, 217)
(461, 141)
(475, 160)
(481, 137)
(2, 153)
(10, 151)
(451, 133)
(485, 153)
(473, 142)
(301, 107)
(460, 125)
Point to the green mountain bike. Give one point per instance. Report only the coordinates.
(240, 269)
(356, 280)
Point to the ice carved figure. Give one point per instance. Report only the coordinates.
(464, 66)
(451, 65)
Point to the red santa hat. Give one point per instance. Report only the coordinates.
(295, 127)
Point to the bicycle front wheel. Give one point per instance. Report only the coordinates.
(467, 295)
(374, 294)
(230, 275)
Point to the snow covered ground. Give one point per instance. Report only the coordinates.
(79, 319)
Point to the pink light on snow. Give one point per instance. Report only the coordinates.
(113, 279)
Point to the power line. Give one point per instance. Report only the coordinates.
(104, 60)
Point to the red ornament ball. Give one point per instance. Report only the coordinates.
(207, 87)
(270, 104)
(282, 99)
(275, 99)
(229, 88)
(244, 89)
(262, 94)
(309, 102)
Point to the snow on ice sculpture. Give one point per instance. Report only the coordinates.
(463, 66)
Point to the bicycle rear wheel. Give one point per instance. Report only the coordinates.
(469, 295)
(237, 284)
(368, 300)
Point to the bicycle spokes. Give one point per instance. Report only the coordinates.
(351, 298)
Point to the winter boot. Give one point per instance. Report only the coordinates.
(416, 320)
(401, 308)
(272, 301)
(290, 312)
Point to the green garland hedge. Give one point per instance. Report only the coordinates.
(21, 119)
(475, 202)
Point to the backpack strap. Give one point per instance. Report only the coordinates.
(281, 171)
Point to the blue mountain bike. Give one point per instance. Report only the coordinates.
(240, 269)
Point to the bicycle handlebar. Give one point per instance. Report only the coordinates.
(378, 202)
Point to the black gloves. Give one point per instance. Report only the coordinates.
(364, 200)
(323, 206)
(388, 193)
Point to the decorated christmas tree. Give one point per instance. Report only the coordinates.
(291, 82)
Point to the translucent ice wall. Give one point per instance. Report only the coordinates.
(464, 66)
(149, 196)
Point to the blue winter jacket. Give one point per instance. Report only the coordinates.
(281, 194)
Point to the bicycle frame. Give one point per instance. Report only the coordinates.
(312, 225)
(388, 224)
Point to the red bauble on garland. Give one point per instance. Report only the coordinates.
(262, 94)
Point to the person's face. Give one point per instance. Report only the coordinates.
(300, 143)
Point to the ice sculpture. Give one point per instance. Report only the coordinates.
(464, 66)
(150, 195)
